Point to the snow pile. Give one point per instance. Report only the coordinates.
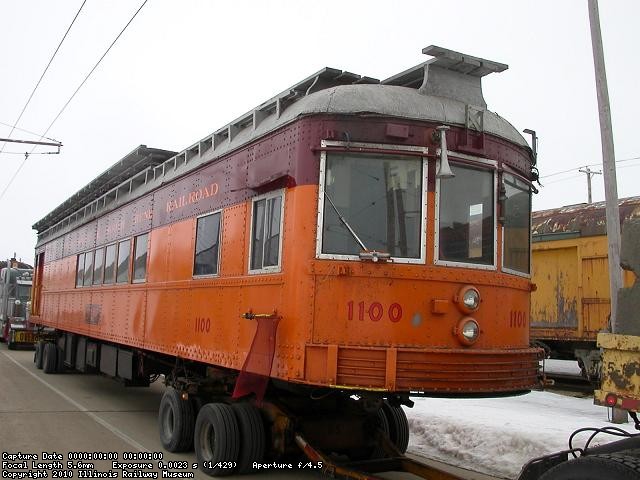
(497, 436)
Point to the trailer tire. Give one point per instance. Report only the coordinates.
(613, 466)
(49, 358)
(216, 439)
(59, 359)
(378, 451)
(176, 421)
(37, 355)
(398, 426)
(252, 437)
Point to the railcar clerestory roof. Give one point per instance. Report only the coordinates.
(442, 90)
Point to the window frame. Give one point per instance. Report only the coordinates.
(115, 264)
(128, 269)
(479, 164)
(81, 283)
(217, 274)
(132, 260)
(275, 268)
(502, 267)
(381, 149)
(93, 280)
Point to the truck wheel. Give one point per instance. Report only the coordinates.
(10, 343)
(59, 360)
(378, 451)
(37, 356)
(176, 421)
(49, 358)
(216, 439)
(613, 466)
(398, 426)
(252, 437)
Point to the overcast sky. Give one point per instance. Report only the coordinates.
(186, 68)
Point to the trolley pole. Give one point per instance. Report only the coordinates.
(608, 163)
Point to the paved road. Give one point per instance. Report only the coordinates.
(71, 412)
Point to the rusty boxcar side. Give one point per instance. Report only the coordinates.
(569, 268)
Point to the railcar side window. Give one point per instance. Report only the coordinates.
(466, 217)
(88, 268)
(122, 274)
(517, 224)
(98, 266)
(80, 270)
(265, 228)
(110, 264)
(140, 257)
(380, 197)
(207, 245)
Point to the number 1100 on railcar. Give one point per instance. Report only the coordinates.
(346, 244)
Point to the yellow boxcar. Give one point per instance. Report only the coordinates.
(570, 270)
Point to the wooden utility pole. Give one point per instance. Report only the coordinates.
(608, 164)
(590, 173)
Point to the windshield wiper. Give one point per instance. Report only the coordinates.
(346, 224)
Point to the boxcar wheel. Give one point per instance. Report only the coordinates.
(176, 421)
(37, 355)
(216, 439)
(49, 358)
(398, 426)
(252, 437)
(615, 466)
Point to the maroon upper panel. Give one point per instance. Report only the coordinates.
(289, 156)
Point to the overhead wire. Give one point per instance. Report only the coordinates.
(582, 166)
(72, 96)
(15, 124)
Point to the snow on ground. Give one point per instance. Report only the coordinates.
(497, 436)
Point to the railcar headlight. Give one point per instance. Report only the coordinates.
(467, 331)
(18, 302)
(468, 299)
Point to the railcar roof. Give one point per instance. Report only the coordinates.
(583, 219)
(442, 89)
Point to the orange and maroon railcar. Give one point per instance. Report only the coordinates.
(344, 244)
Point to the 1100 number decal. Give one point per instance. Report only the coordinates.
(374, 311)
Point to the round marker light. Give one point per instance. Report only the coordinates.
(467, 331)
(611, 400)
(468, 299)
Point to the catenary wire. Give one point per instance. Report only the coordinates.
(42, 76)
(72, 96)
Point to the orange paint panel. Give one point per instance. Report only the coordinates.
(234, 241)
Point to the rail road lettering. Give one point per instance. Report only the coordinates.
(374, 311)
(139, 217)
(203, 325)
(517, 319)
(192, 197)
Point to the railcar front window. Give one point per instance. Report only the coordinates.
(379, 197)
(122, 275)
(207, 245)
(517, 224)
(466, 217)
(140, 258)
